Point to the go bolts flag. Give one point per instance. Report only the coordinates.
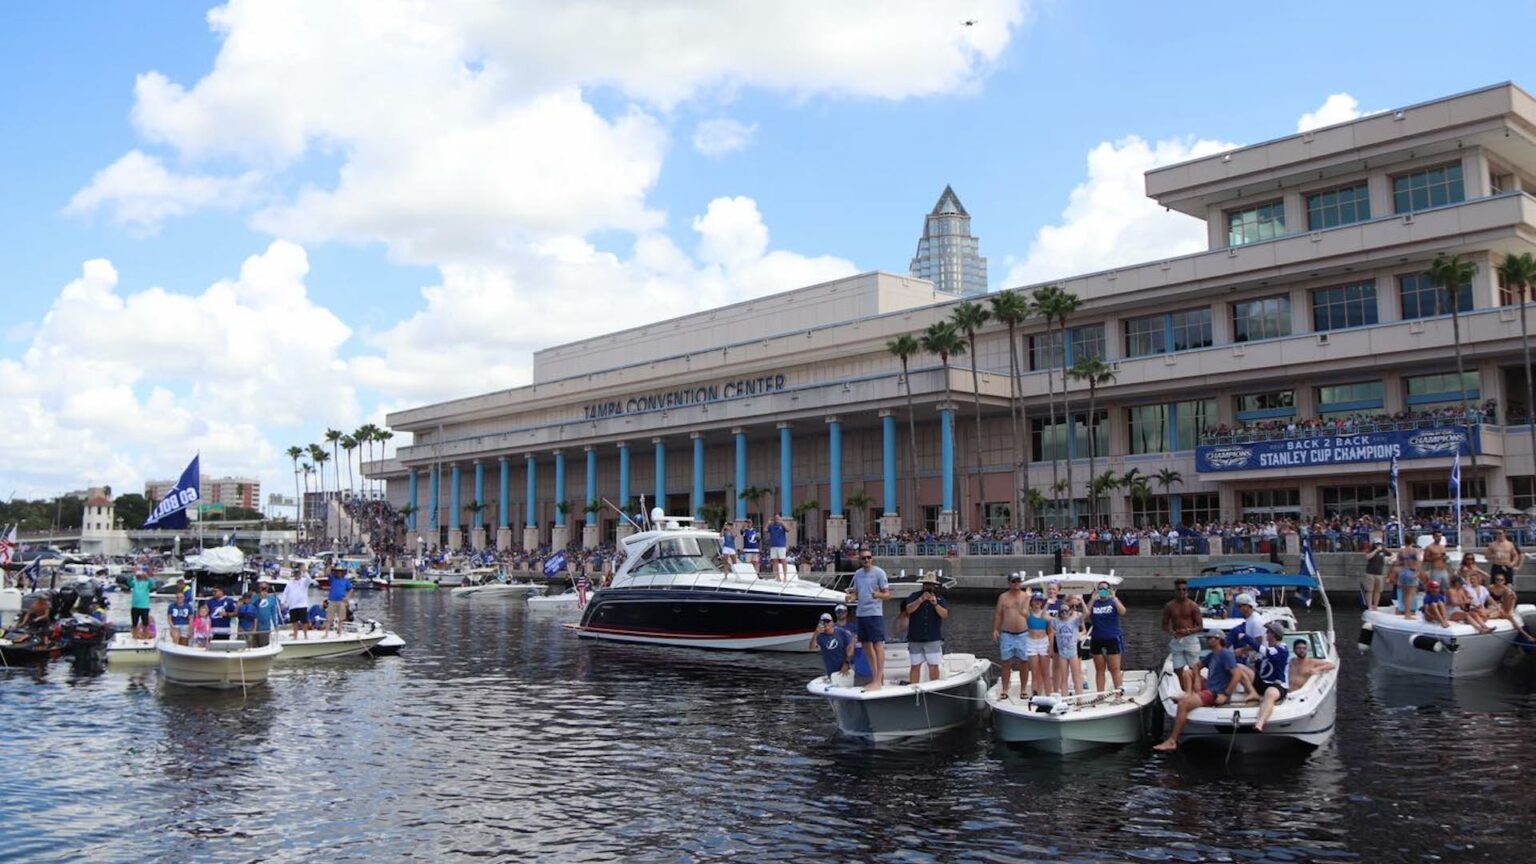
(171, 512)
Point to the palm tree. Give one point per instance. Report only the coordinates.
(1042, 299)
(1058, 305)
(906, 347)
(1139, 488)
(334, 437)
(296, 453)
(943, 339)
(752, 495)
(474, 508)
(315, 452)
(408, 511)
(363, 435)
(1011, 308)
(1518, 272)
(859, 503)
(348, 443)
(1449, 272)
(1095, 372)
(968, 317)
(382, 436)
(713, 515)
(1168, 478)
(1036, 500)
(1097, 488)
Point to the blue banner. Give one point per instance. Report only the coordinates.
(554, 563)
(1321, 450)
(171, 512)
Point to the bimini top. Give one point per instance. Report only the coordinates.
(1074, 583)
(1255, 580)
(1244, 567)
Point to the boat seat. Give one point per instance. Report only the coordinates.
(958, 664)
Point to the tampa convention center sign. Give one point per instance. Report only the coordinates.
(703, 394)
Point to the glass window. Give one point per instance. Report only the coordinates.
(1084, 341)
(1199, 508)
(1341, 400)
(1087, 341)
(1275, 400)
(1261, 222)
(1045, 351)
(1270, 503)
(1422, 298)
(1146, 336)
(1343, 306)
(1152, 511)
(1266, 318)
(1355, 501)
(1191, 329)
(1434, 496)
(1522, 492)
(1149, 428)
(1194, 418)
(1432, 187)
(1434, 389)
(1338, 207)
(1047, 440)
(1080, 433)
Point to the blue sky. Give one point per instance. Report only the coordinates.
(858, 117)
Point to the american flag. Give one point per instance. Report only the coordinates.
(8, 546)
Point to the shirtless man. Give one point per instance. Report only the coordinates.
(1008, 629)
(1304, 666)
(1437, 562)
(1503, 557)
(1183, 623)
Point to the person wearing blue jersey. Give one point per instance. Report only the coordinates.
(222, 611)
(269, 615)
(339, 595)
(246, 613)
(1105, 635)
(778, 547)
(751, 545)
(317, 615)
(1274, 672)
(835, 644)
(179, 616)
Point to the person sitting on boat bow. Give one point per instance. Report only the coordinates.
(1433, 609)
(1222, 676)
(926, 612)
(1460, 608)
(835, 644)
(1304, 667)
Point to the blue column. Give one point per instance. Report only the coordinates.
(948, 453)
(741, 472)
(559, 485)
(411, 498)
(624, 476)
(532, 519)
(453, 497)
(591, 502)
(502, 511)
(697, 499)
(835, 448)
(432, 499)
(786, 476)
(888, 456)
(661, 475)
(479, 494)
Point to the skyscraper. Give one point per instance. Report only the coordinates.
(947, 254)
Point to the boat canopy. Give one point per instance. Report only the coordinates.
(1244, 567)
(1074, 583)
(1255, 580)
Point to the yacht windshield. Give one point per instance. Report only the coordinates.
(680, 555)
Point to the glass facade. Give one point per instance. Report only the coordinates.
(1149, 428)
(1441, 389)
(1151, 512)
(1261, 222)
(948, 254)
(1265, 318)
(1342, 400)
(1191, 328)
(1084, 341)
(1275, 403)
(1431, 187)
(1199, 508)
(1337, 207)
(1343, 306)
(1356, 501)
(1422, 298)
(1270, 503)
(1175, 331)
(1100, 436)
(1146, 336)
(1194, 417)
(1047, 440)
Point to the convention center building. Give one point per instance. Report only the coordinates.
(1277, 374)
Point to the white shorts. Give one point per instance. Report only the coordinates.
(1037, 647)
(750, 556)
(779, 553)
(728, 552)
(926, 653)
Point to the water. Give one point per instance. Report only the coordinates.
(499, 736)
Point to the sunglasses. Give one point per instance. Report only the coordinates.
(866, 558)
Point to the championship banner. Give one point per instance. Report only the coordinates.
(171, 512)
(1353, 449)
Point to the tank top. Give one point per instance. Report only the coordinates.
(1035, 622)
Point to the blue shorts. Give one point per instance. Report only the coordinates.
(870, 628)
(1011, 646)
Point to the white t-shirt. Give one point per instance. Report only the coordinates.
(296, 595)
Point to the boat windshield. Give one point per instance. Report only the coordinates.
(680, 555)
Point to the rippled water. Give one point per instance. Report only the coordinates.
(499, 736)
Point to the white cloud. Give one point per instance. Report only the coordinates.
(1337, 108)
(722, 135)
(142, 194)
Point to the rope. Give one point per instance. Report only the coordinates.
(1236, 716)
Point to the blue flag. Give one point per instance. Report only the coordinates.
(1392, 476)
(1308, 567)
(554, 563)
(1456, 475)
(171, 512)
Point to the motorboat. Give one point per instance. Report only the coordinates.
(390, 646)
(126, 651)
(387, 582)
(568, 600)
(27, 648)
(1305, 717)
(673, 589)
(497, 585)
(69, 631)
(1411, 644)
(225, 664)
(1070, 723)
(900, 709)
(357, 637)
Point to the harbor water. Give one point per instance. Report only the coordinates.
(500, 736)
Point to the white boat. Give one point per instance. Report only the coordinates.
(1305, 717)
(10, 605)
(126, 651)
(494, 588)
(1071, 724)
(359, 637)
(566, 601)
(1426, 648)
(389, 646)
(904, 710)
(225, 664)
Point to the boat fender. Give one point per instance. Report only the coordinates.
(1425, 642)
(1043, 704)
(1367, 632)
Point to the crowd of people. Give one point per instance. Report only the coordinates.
(1348, 424)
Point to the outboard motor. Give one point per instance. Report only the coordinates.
(85, 640)
(1367, 632)
(63, 603)
(1425, 642)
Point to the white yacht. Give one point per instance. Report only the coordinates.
(671, 589)
(225, 664)
(899, 709)
(1426, 648)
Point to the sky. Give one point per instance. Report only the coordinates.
(229, 228)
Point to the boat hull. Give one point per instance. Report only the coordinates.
(494, 590)
(904, 711)
(1428, 649)
(219, 670)
(1080, 729)
(128, 652)
(327, 647)
(715, 618)
(1304, 720)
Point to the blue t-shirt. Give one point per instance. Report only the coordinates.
(1218, 669)
(778, 535)
(180, 613)
(267, 613)
(834, 648)
(317, 614)
(141, 585)
(866, 583)
(749, 540)
(247, 615)
(340, 585)
(1104, 618)
(221, 611)
(1275, 665)
(925, 623)
(1433, 598)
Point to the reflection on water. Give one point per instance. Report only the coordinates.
(499, 735)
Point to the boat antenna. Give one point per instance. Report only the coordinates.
(643, 514)
(622, 514)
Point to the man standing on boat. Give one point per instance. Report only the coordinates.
(1437, 561)
(296, 598)
(926, 612)
(1182, 622)
(1503, 557)
(870, 587)
(778, 548)
(1008, 628)
(340, 595)
(222, 611)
